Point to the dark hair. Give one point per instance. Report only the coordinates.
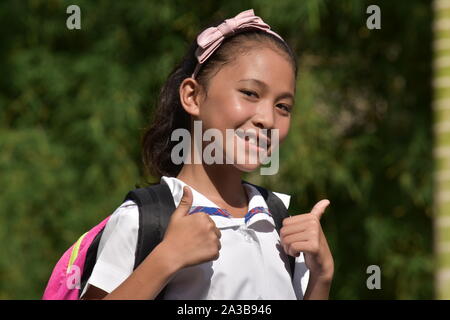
(170, 115)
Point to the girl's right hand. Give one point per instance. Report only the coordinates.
(191, 239)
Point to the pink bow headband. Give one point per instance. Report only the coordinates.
(210, 39)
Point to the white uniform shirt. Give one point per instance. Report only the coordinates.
(251, 265)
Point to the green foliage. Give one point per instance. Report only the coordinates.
(73, 104)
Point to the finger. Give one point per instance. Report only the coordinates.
(185, 204)
(293, 228)
(320, 207)
(295, 219)
(216, 230)
(309, 247)
(296, 237)
(218, 233)
(295, 248)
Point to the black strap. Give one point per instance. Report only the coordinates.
(279, 212)
(156, 205)
(155, 208)
(91, 258)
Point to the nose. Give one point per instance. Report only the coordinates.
(264, 117)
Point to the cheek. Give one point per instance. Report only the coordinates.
(232, 113)
(283, 127)
(235, 107)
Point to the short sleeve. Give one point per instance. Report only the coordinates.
(116, 251)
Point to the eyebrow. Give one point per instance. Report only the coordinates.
(263, 84)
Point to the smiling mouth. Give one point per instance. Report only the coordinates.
(254, 139)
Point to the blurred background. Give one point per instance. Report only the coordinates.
(73, 104)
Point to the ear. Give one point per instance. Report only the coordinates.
(190, 96)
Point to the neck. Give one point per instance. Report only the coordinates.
(221, 183)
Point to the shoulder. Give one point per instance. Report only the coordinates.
(116, 250)
(119, 237)
(124, 219)
(126, 211)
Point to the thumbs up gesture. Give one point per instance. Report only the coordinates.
(303, 233)
(191, 239)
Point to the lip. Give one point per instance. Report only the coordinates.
(260, 138)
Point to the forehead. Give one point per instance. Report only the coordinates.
(264, 64)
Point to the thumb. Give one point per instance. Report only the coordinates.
(185, 204)
(319, 208)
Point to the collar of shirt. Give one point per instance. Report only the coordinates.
(257, 206)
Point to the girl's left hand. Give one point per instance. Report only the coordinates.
(303, 233)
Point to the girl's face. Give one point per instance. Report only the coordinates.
(256, 91)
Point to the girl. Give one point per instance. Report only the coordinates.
(221, 242)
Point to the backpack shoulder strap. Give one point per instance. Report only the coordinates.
(278, 211)
(156, 205)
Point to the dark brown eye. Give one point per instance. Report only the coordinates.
(284, 107)
(249, 93)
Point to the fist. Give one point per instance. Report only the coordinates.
(193, 239)
(303, 233)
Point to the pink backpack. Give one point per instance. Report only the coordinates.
(65, 281)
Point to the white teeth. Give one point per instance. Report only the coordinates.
(253, 140)
(250, 138)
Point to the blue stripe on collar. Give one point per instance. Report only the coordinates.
(212, 211)
(224, 213)
(256, 210)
